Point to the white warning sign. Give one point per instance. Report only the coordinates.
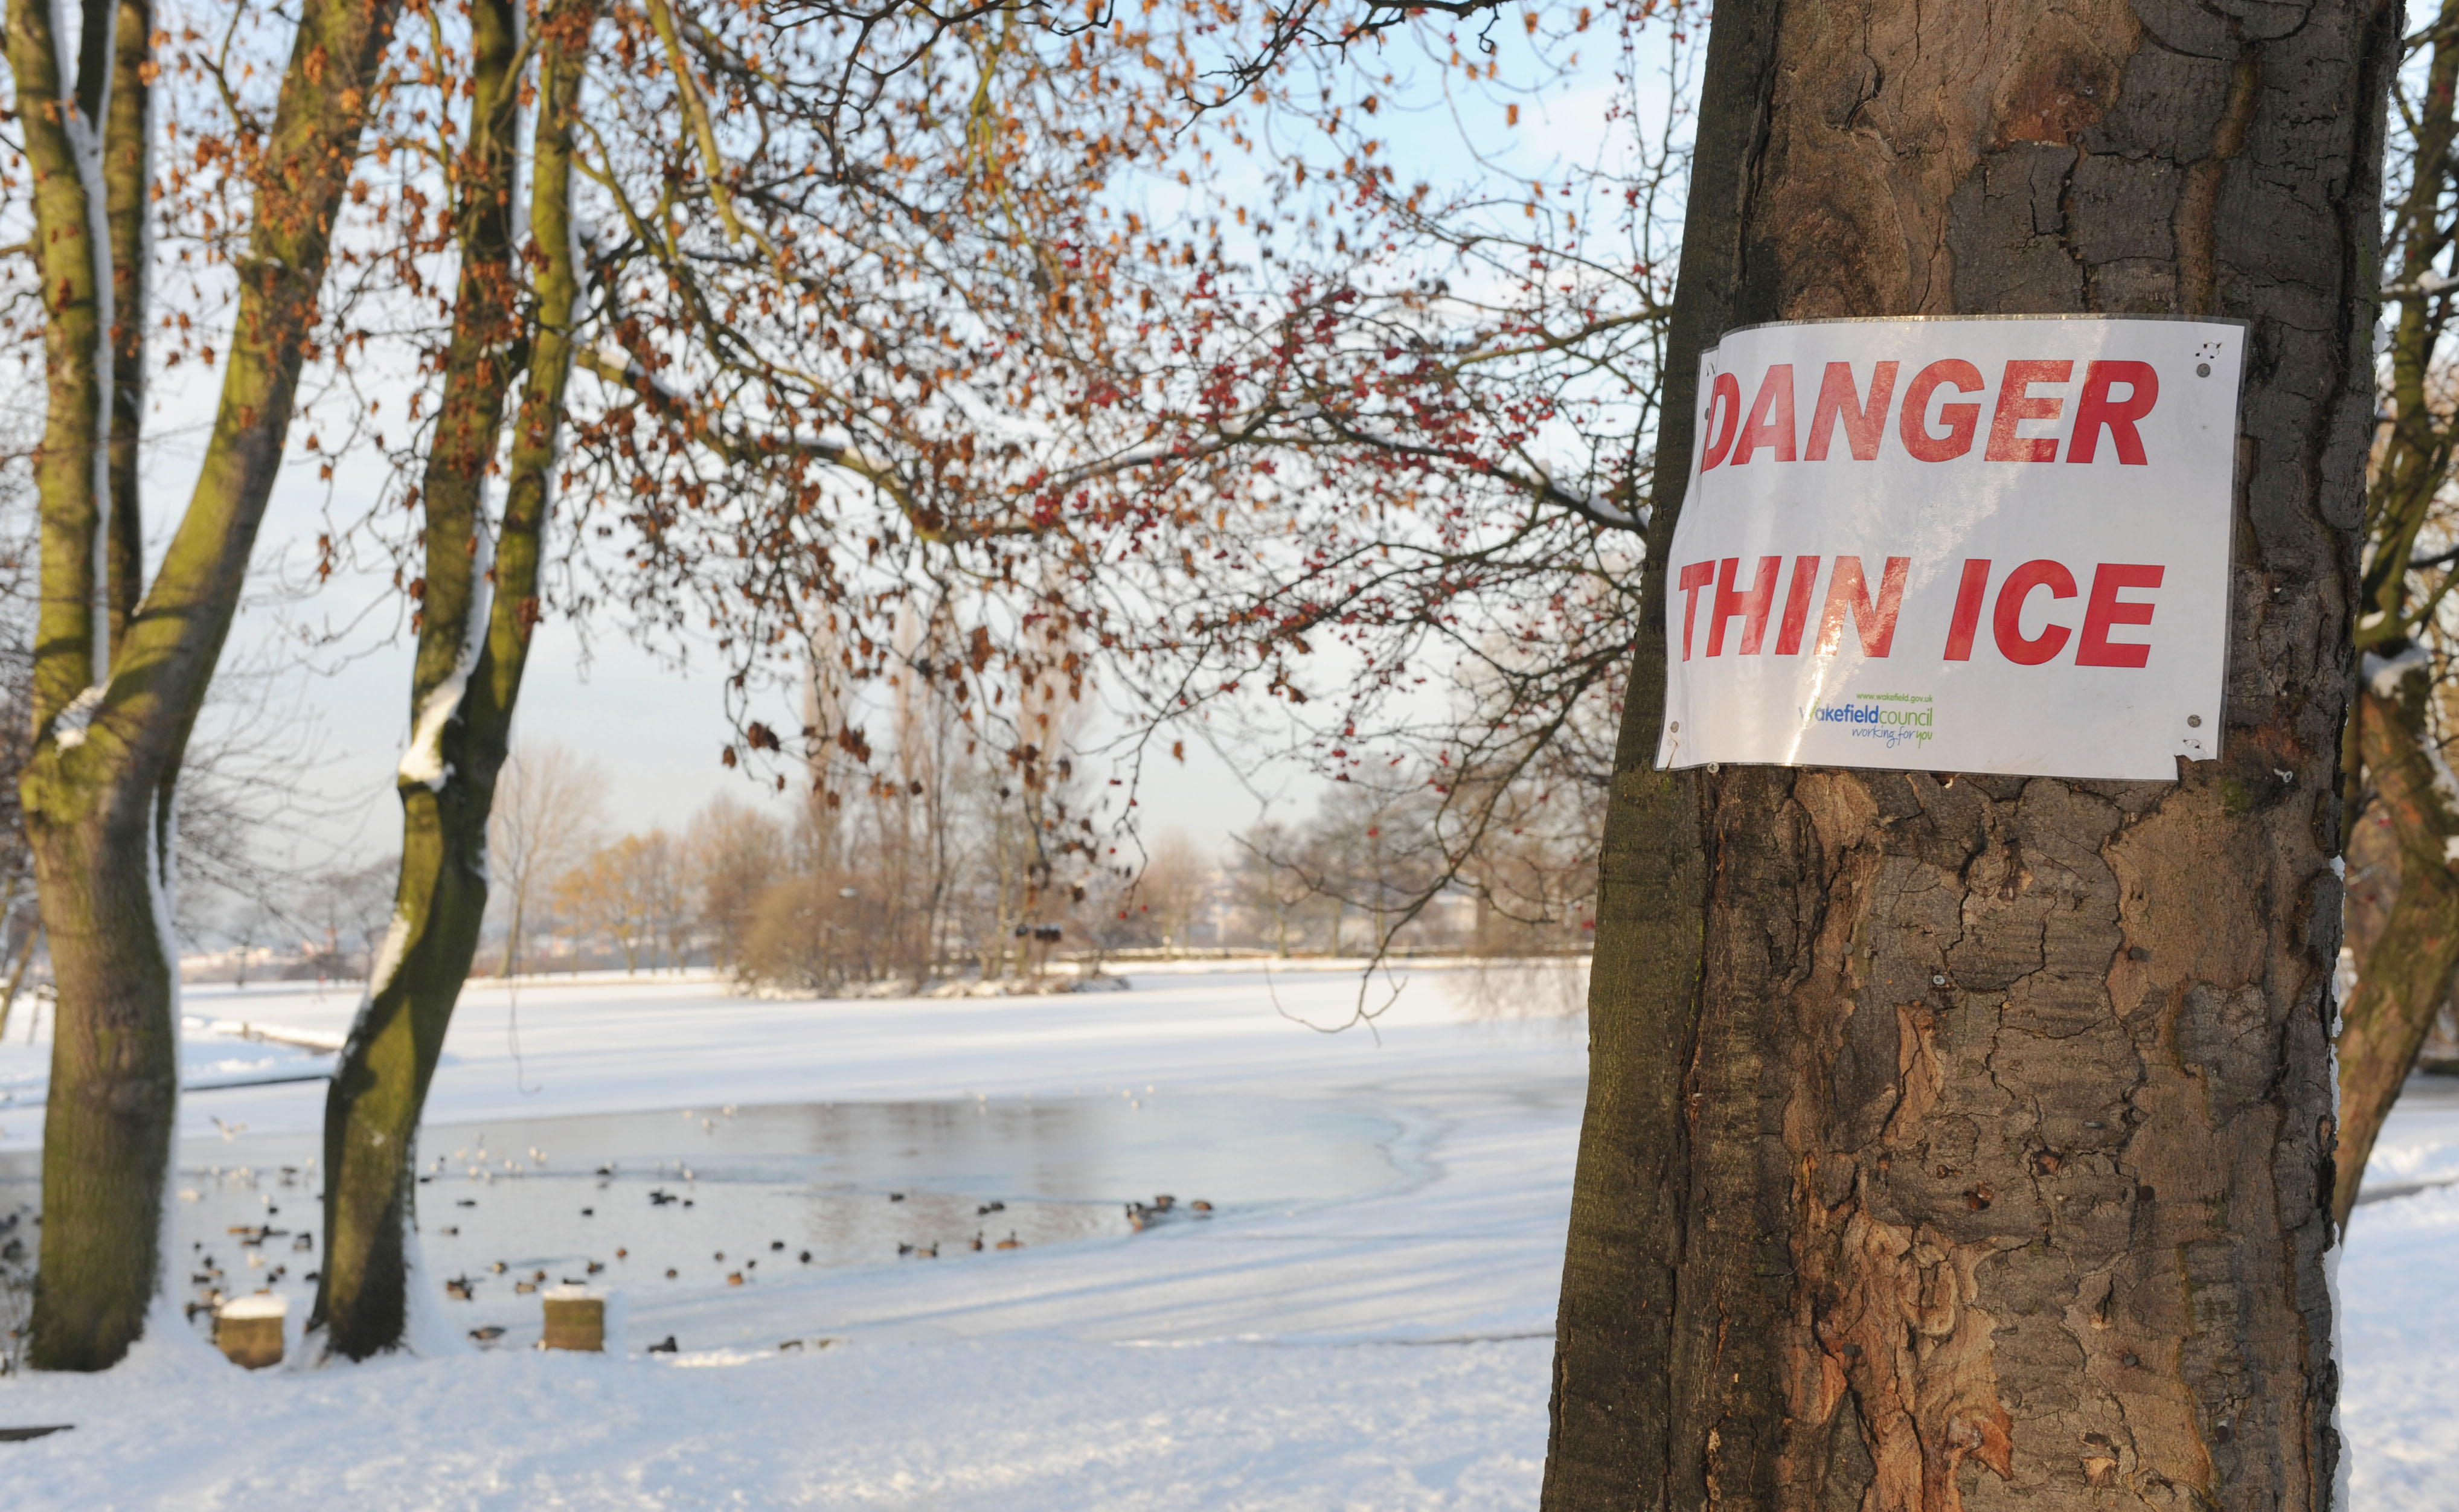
(1957, 545)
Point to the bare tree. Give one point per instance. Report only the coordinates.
(121, 666)
(549, 803)
(20, 922)
(736, 853)
(663, 875)
(617, 892)
(251, 923)
(1265, 882)
(1374, 850)
(1174, 885)
(346, 912)
(2396, 753)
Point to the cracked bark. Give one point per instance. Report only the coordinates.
(1967, 1139)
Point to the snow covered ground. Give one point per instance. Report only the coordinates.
(1389, 1351)
(1383, 1348)
(2399, 1318)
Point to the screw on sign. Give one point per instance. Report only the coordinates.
(1997, 545)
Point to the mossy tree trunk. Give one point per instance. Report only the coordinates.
(2404, 975)
(476, 615)
(128, 183)
(114, 1066)
(117, 681)
(1960, 1136)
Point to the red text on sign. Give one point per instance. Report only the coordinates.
(2103, 611)
(2030, 594)
(1848, 596)
(1939, 418)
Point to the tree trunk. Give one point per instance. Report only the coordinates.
(512, 939)
(99, 852)
(108, 745)
(2404, 976)
(1972, 1135)
(115, 1076)
(461, 703)
(1614, 1442)
(2405, 972)
(128, 181)
(62, 119)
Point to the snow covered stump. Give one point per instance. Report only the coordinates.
(575, 1319)
(249, 1330)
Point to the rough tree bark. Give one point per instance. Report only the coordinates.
(116, 689)
(477, 613)
(1970, 1137)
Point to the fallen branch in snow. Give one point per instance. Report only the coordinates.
(322, 1041)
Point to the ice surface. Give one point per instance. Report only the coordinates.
(1386, 1348)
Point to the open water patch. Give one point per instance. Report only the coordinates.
(707, 1198)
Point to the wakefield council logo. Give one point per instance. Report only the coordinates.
(1894, 718)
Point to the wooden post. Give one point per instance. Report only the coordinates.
(575, 1319)
(249, 1330)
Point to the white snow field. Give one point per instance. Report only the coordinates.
(1379, 1341)
(1385, 1351)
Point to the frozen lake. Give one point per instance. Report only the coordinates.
(691, 1199)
